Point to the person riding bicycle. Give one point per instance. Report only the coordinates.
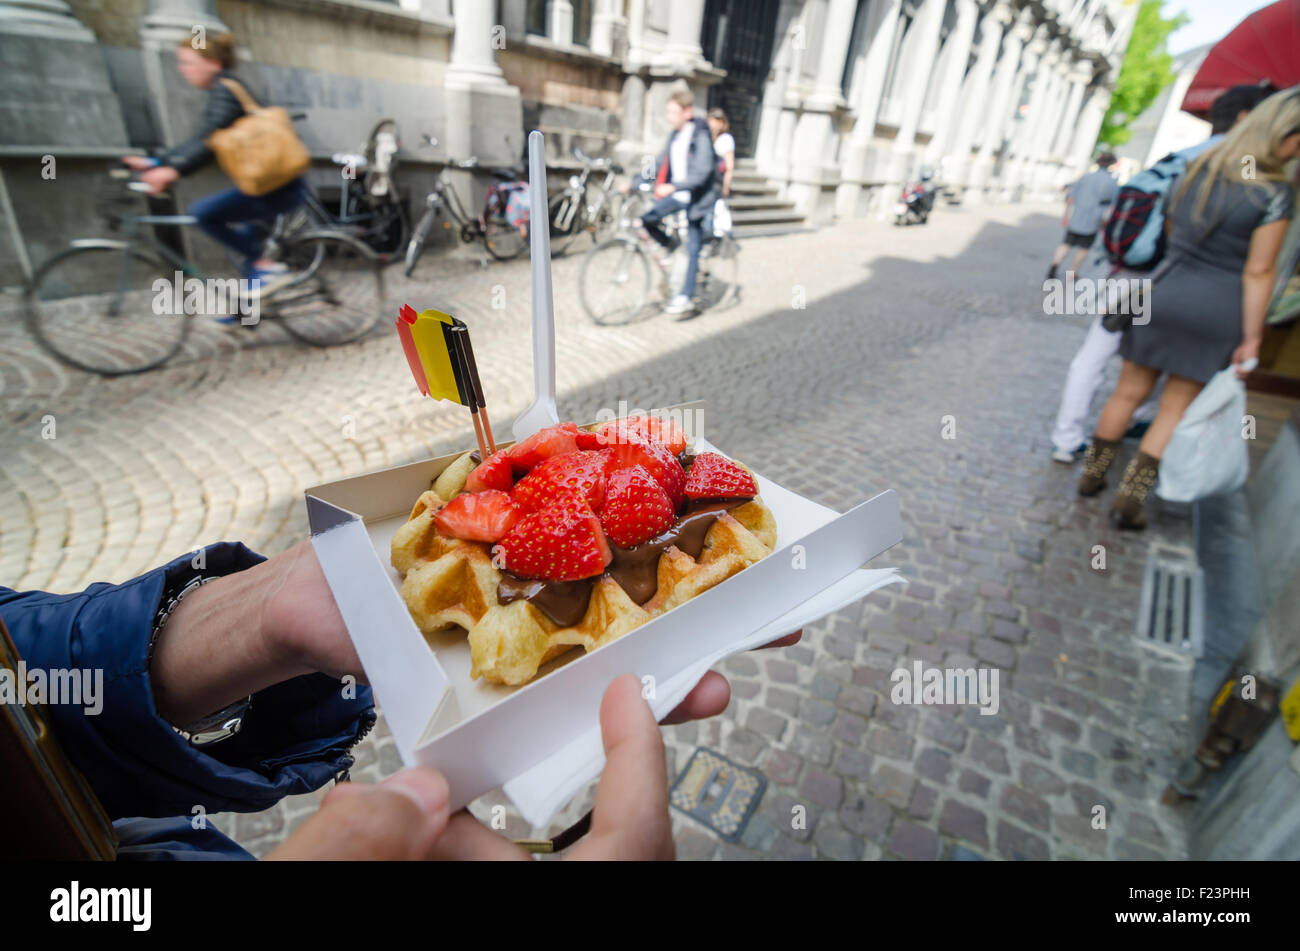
(688, 179)
(226, 215)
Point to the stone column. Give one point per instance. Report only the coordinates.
(607, 24)
(923, 47)
(473, 62)
(1085, 137)
(866, 105)
(776, 127)
(998, 113)
(683, 46)
(975, 94)
(52, 19)
(484, 114)
(811, 172)
(1029, 136)
(1070, 115)
(169, 21)
(559, 28)
(956, 53)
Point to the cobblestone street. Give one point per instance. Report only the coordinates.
(841, 399)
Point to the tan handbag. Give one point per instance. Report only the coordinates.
(259, 151)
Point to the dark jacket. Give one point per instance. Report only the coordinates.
(702, 179)
(221, 110)
(295, 738)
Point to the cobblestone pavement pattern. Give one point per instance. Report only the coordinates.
(905, 332)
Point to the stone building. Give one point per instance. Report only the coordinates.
(834, 103)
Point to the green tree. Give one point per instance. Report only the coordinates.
(1147, 69)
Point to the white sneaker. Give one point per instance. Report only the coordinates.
(1068, 456)
(681, 304)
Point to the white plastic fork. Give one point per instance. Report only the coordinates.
(541, 412)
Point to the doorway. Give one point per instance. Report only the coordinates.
(738, 36)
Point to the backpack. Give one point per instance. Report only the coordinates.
(1134, 233)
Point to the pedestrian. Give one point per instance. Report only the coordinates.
(690, 182)
(724, 146)
(261, 642)
(1209, 295)
(1089, 363)
(1089, 198)
(226, 216)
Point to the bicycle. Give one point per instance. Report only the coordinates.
(582, 206)
(614, 282)
(501, 239)
(108, 305)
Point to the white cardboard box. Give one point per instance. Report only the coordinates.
(482, 736)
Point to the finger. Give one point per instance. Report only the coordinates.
(789, 640)
(398, 819)
(630, 819)
(466, 839)
(709, 698)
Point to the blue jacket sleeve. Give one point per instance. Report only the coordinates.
(296, 735)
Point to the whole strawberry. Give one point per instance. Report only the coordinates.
(717, 477)
(562, 542)
(636, 507)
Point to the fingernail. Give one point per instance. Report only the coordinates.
(426, 788)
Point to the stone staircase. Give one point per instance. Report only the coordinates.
(757, 210)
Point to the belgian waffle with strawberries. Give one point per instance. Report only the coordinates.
(574, 537)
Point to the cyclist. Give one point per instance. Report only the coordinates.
(226, 215)
(688, 180)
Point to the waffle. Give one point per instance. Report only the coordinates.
(450, 582)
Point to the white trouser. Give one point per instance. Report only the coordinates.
(1086, 371)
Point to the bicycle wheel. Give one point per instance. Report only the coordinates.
(615, 281)
(719, 284)
(415, 247)
(566, 222)
(100, 308)
(337, 293)
(502, 239)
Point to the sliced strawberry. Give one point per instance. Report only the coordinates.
(578, 473)
(478, 516)
(494, 472)
(717, 477)
(551, 441)
(663, 431)
(658, 460)
(562, 542)
(589, 440)
(636, 507)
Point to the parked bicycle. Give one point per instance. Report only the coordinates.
(110, 305)
(616, 279)
(500, 237)
(584, 206)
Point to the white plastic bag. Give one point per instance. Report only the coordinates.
(1207, 454)
(721, 218)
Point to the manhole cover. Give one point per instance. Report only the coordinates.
(715, 791)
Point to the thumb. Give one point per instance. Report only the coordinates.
(630, 819)
(401, 818)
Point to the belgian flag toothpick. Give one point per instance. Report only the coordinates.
(441, 359)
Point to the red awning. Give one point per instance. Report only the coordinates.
(1264, 46)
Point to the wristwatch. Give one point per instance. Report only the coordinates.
(214, 727)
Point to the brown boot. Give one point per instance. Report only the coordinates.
(1101, 453)
(1128, 509)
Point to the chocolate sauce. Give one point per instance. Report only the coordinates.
(476, 457)
(636, 569)
(564, 602)
(686, 457)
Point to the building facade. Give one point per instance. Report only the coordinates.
(835, 103)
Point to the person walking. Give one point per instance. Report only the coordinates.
(1089, 363)
(1089, 199)
(690, 183)
(724, 147)
(1209, 294)
(226, 216)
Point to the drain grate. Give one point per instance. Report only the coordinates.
(717, 792)
(1171, 615)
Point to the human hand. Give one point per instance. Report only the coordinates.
(664, 189)
(138, 162)
(1249, 350)
(159, 178)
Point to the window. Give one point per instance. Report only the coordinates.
(535, 17)
(582, 22)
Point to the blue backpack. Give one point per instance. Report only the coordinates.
(1134, 234)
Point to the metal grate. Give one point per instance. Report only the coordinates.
(1171, 615)
(718, 793)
